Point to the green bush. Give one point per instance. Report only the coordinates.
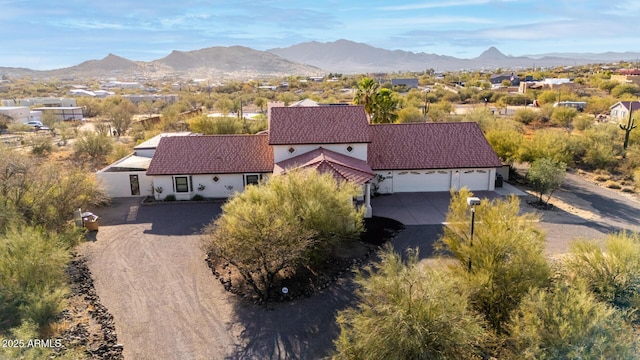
(612, 273)
(32, 265)
(197, 197)
(41, 145)
(93, 144)
(170, 197)
(504, 260)
(569, 323)
(407, 312)
(526, 116)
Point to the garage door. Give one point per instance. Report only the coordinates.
(421, 181)
(475, 179)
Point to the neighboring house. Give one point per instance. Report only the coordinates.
(497, 79)
(40, 101)
(405, 83)
(627, 76)
(19, 114)
(89, 93)
(620, 110)
(392, 158)
(63, 113)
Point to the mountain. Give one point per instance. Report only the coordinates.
(234, 60)
(310, 58)
(344, 56)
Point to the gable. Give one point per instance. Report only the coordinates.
(318, 125)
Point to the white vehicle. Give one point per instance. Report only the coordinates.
(37, 125)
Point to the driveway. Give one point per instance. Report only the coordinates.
(150, 272)
(583, 211)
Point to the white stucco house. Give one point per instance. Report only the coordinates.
(391, 158)
(620, 110)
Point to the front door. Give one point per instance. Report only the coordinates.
(135, 184)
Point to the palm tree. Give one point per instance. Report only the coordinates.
(385, 106)
(366, 94)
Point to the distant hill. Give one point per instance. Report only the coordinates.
(346, 56)
(235, 60)
(310, 58)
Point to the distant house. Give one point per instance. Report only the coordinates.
(497, 79)
(627, 76)
(40, 101)
(620, 110)
(63, 113)
(19, 114)
(405, 83)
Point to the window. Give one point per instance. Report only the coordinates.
(252, 179)
(182, 183)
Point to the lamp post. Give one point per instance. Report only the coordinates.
(472, 202)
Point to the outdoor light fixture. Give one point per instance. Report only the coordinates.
(472, 201)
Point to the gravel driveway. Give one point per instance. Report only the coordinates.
(149, 271)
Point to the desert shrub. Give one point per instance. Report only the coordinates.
(548, 143)
(41, 145)
(568, 323)
(503, 261)
(505, 142)
(612, 185)
(119, 151)
(288, 221)
(410, 115)
(612, 273)
(197, 197)
(170, 197)
(94, 145)
(405, 312)
(526, 116)
(563, 116)
(583, 122)
(545, 176)
(32, 264)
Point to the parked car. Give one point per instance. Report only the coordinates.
(37, 125)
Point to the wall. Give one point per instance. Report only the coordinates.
(117, 183)
(227, 185)
(281, 152)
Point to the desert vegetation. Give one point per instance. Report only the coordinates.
(511, 301)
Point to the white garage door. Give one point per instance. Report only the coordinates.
(477, 179)
(421, 180)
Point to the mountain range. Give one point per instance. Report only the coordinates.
(310, 58)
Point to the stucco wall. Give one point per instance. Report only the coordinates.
(281, 152)
(117, 183)
(203, 185)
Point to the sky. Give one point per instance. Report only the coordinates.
(42, 35)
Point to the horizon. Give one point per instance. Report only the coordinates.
(39, 37)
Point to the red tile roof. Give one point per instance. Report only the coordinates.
(342, 167)
(318, 125)
(429, 146)
(217, 154)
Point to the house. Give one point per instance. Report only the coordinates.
(390, 158)
(497, 79)
(63, 113)
(620, 110)
(627, 76)
(19, 114)
(405, 83)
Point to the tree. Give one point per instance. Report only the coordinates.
(406, 311)
(366, 94)
(121, 116)
(504, 259)
(545, 176)
(505, 142)
(547, 143)
(290, 220)
(569, 323)
(384, 109)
